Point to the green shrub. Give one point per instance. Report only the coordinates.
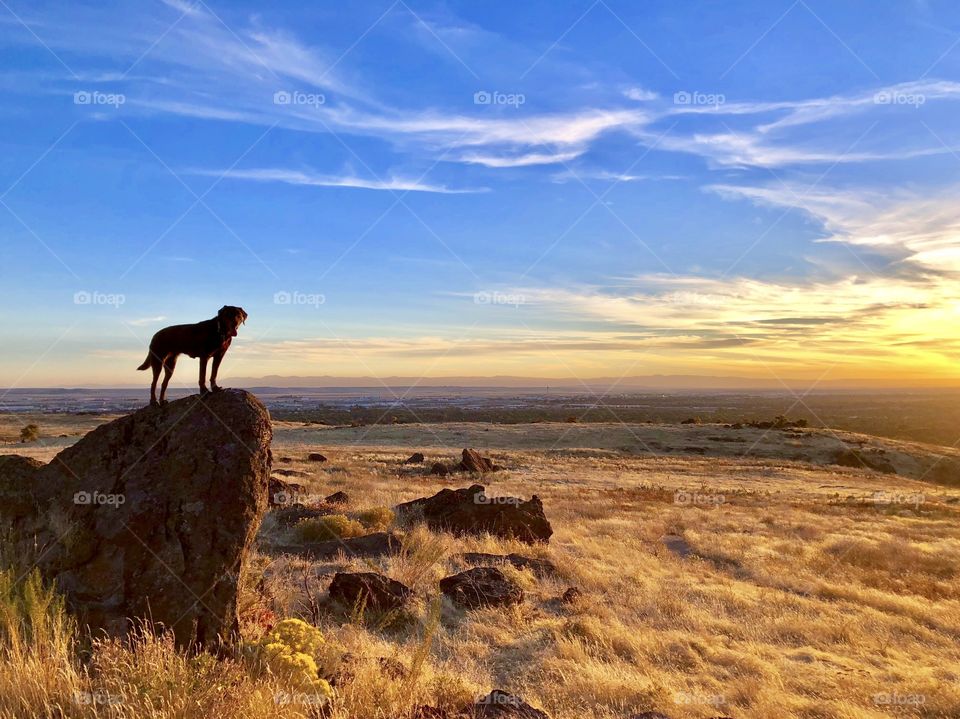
(333, 526)
(376, 518)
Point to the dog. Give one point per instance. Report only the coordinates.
(210, 338)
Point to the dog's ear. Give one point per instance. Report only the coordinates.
(242, 314)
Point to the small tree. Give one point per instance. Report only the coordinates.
(30, 433)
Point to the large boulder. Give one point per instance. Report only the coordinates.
(481, 587)
(472, 461)
(471, 511)
(149, 517)
(373, 590)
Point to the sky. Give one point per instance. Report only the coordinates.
(570, 189)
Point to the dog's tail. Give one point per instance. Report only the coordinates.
(146, 362)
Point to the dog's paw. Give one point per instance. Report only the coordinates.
(216, 388)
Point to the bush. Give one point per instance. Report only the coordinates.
(377, 518)
(333, 526)
(289, 651)
(30, 433)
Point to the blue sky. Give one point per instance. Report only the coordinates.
(563, 189)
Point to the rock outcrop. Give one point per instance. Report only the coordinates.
(148, 517)
(471, 511)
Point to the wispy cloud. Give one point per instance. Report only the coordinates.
(311, 179)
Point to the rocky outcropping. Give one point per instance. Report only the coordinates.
(471, 511)
(148, 517)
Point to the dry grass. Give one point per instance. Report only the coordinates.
(799, 596)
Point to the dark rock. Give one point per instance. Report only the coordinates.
(499, 704)
(861, 460)
(371, 545)
(284, 493)
(338, 498)
(376, 591)
(481, 587)
(291, 514)
(415, 458)
(316, 457)
(539, 567)
(692, 420)
(470, 511)
(285, 460)
(571, 596)
(649, 715)
(473, 462)
(162, 506)
(291, 473)
(439, 469)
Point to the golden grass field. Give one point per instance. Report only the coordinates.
(746, 579)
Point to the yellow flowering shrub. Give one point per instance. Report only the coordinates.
(288, 651)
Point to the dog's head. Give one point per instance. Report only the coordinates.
(232, 318)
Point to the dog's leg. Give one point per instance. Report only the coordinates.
(203, 376)
(155, 364)
(217, 359)
(168, 366)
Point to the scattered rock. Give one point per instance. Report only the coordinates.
(316, 457)
(338, 498)
(439, 469)
(289, 515)
(285, 460)
(499, 704)
(692, 420)
(376, 591)
(284, 493)
(415, 458)
(162, 507)
(473, 462)
(371, 545)
(481, 587)
(540, 567)
(471, 511)
(860, 460)
(291, 473)
(571, 596)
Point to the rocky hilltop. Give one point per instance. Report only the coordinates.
(148, 517)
